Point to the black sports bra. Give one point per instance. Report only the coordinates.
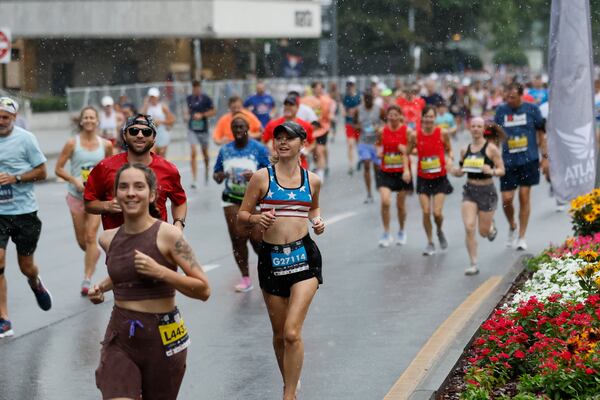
(472, 163)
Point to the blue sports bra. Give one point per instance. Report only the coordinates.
(287, 202)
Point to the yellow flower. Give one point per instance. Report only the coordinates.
(589, 217)
(588, 255)
(597, 281)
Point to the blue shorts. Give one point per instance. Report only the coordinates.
(520, 175)
(368, 152)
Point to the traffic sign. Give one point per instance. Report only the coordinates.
(5, 45)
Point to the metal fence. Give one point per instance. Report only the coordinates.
(175, 93)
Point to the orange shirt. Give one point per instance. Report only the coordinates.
(323, 107)
(222, 132)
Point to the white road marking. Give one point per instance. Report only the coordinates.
(210, 267)
(339, 217)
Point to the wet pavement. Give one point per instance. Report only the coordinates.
(375, 310)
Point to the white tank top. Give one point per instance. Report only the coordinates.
(156, 112)
(108, 124)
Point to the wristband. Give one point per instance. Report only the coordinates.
(181, 220)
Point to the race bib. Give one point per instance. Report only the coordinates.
(6, 193)
(198, 125)
(288, 259)
(173, 333)
(368, 128)
(517, 144)
(512, 120)
(473, 164)
(393, 160)
(431, 165)
(85, 172)
(237, 183)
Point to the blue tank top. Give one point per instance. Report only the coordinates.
(287, 202)
(82, 162)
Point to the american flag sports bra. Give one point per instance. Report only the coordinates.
(287, 202)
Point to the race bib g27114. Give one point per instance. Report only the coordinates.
(288, 260)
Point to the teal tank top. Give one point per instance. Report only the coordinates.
(82, 162)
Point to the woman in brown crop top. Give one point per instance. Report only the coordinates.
(145, 346)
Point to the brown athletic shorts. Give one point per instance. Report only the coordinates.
(134, 360)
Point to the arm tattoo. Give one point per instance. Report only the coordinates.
(183, 249)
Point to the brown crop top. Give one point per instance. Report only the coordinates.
(127, 283)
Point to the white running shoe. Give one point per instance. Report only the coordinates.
(401, 238)
(386, 240)
(512, 238)
(521, 244)
(472, 270)
(429, 250)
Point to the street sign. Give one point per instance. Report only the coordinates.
(5, 45)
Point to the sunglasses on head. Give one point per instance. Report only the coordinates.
(147, 132)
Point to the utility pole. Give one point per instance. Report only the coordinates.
(334, 38)
(197, 59)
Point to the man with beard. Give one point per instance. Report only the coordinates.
(139, 134)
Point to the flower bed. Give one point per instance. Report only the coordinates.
(544, 341)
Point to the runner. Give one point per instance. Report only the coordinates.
(261, 104)
(163, 119)
(434, 158)
(525, 130)
(222, 133)
(236, 163)
(145, 345)
(139, 134)
(481, 160)
(289, 264)
(334, 93)
(200, 108)
(412, 107)
(83, 152)
(445, 119)
(290, 109)
(369, 121)
(21, 163)
(351, 102)
(323, 107)
(110, 120)
(394, 174)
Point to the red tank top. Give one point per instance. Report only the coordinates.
(392, 160)
(430, 148)
(127, 283)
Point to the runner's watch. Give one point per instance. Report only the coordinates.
(181, 220)
(18, 179)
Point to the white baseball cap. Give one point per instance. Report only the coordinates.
(153, 92)
(9, 105)
(351, 79)
(374, 79)
(107, 101)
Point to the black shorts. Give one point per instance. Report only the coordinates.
(296, 262)
(322, 140)
(434, 186)
(392, 181)
(485, 196)
(24, 230)
(520, 175)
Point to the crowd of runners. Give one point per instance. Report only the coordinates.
(272, 161)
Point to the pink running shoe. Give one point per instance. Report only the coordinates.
(245, 285)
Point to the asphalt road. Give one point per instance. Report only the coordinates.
(375, 310)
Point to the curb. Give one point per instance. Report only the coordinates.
(437, 376)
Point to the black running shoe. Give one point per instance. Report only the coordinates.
(42, 295)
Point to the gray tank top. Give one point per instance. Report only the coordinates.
(370, 120)
(82, 162)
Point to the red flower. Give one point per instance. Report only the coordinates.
(494, 359)
(519, 354)
(589, 371)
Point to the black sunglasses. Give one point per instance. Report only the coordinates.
(147, 132)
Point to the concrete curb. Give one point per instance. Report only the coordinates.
(436, 377)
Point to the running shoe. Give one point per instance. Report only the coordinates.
(429, 250)
(327, 172)
(386, 240)
(493, 232)
(512, 238)
(368, 200)
(472, 270)
(193, 185)
(85, 287)
(560, 206)
(521, 244)
(442, 239)
(245, 285)
(401, 238)
(350, 171)
(5, 328)
(42, 295)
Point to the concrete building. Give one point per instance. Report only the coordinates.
(67, 43)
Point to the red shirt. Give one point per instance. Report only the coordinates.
(101, 182)
(392, 160)
(412, 111)
(432, 161)
(267, 135)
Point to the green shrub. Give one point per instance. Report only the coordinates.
(49, 103)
